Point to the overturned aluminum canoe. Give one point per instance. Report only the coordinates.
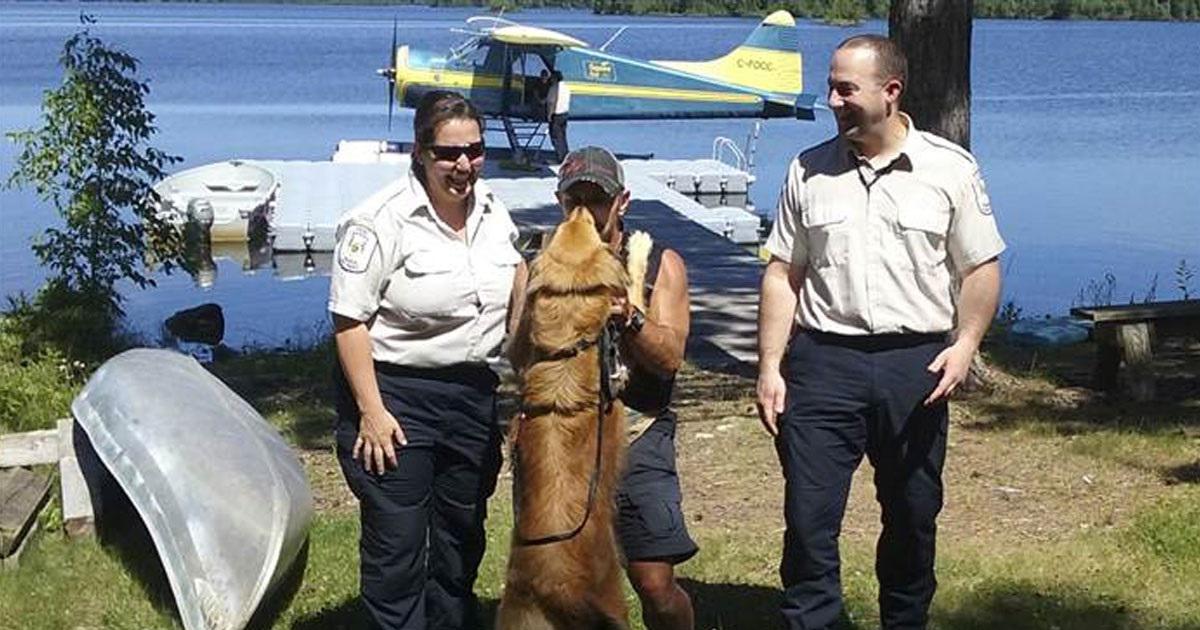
(225, 499)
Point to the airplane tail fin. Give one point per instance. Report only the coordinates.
(768, 60)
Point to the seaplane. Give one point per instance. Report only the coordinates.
(501, 67)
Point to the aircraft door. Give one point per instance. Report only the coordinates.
(537, 85)
(525, 83)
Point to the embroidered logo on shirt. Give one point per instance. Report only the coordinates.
(357, 247)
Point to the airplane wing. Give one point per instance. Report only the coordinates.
(533, 36)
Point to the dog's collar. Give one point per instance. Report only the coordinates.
(569, 352)
(562, 354)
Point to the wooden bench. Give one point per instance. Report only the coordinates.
(1128, 333)
(23, 493)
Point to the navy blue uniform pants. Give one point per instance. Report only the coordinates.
(422, 521)
(558, 135)
(847, 396)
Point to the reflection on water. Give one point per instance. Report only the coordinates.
(253, 257)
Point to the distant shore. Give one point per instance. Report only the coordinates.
(839, 12)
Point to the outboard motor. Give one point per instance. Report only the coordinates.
(198, 242)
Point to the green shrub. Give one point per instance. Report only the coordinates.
(35, 389)
(80, 326)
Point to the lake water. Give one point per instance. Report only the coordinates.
(1088, 132)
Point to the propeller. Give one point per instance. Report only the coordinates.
(389, 72)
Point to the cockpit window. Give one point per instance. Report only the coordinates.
(477, 57)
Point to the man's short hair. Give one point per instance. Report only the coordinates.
(890, 62)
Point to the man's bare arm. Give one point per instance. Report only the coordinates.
(660, 345)
(776, 312)
(977, 302)
(516, 297)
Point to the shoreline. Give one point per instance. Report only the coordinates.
(650, 10)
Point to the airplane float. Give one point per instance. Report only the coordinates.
(500, 68)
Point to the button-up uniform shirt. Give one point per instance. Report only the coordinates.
(429, 298)
(883, 241)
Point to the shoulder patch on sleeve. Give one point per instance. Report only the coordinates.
(358, 244)
(982, 201)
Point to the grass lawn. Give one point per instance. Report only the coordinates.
(1063, 510)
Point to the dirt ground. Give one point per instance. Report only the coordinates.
(1014, 470)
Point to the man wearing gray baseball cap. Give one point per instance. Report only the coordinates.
(650, 522)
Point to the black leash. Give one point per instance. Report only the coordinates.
(607, 347)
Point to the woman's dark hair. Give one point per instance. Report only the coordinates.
(437, 107)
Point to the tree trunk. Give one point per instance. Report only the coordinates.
(936, 37)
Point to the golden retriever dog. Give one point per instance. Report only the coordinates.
(564, 569)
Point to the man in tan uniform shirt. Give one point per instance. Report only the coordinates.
(884, 264)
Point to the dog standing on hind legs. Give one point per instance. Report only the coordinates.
(565, 568)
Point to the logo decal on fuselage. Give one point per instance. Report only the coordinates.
(600, 71)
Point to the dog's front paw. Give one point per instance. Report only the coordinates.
(637, 258)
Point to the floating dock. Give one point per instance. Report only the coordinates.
(723, 276)
(308, 197)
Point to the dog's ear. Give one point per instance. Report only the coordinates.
(608, 272)
(600, 271)
(536, 280)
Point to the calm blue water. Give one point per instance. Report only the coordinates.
(1088, 132)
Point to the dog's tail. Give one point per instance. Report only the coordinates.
(602, 620)
(608, 623)
(586, 613)
(554, 610)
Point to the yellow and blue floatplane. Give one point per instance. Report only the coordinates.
(500, 67)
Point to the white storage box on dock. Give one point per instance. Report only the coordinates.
(369, 152)
(313, 195)
(693, 177)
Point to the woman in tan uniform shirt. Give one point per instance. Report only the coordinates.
(422, 276)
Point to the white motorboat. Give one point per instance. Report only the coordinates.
(240, 196)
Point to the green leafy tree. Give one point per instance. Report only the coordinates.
(845, 12)
(90, 159)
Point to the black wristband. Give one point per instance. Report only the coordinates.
(636, 321)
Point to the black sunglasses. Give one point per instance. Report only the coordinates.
(443, 153)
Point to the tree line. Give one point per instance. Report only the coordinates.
(839, 11)
(854, 10)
